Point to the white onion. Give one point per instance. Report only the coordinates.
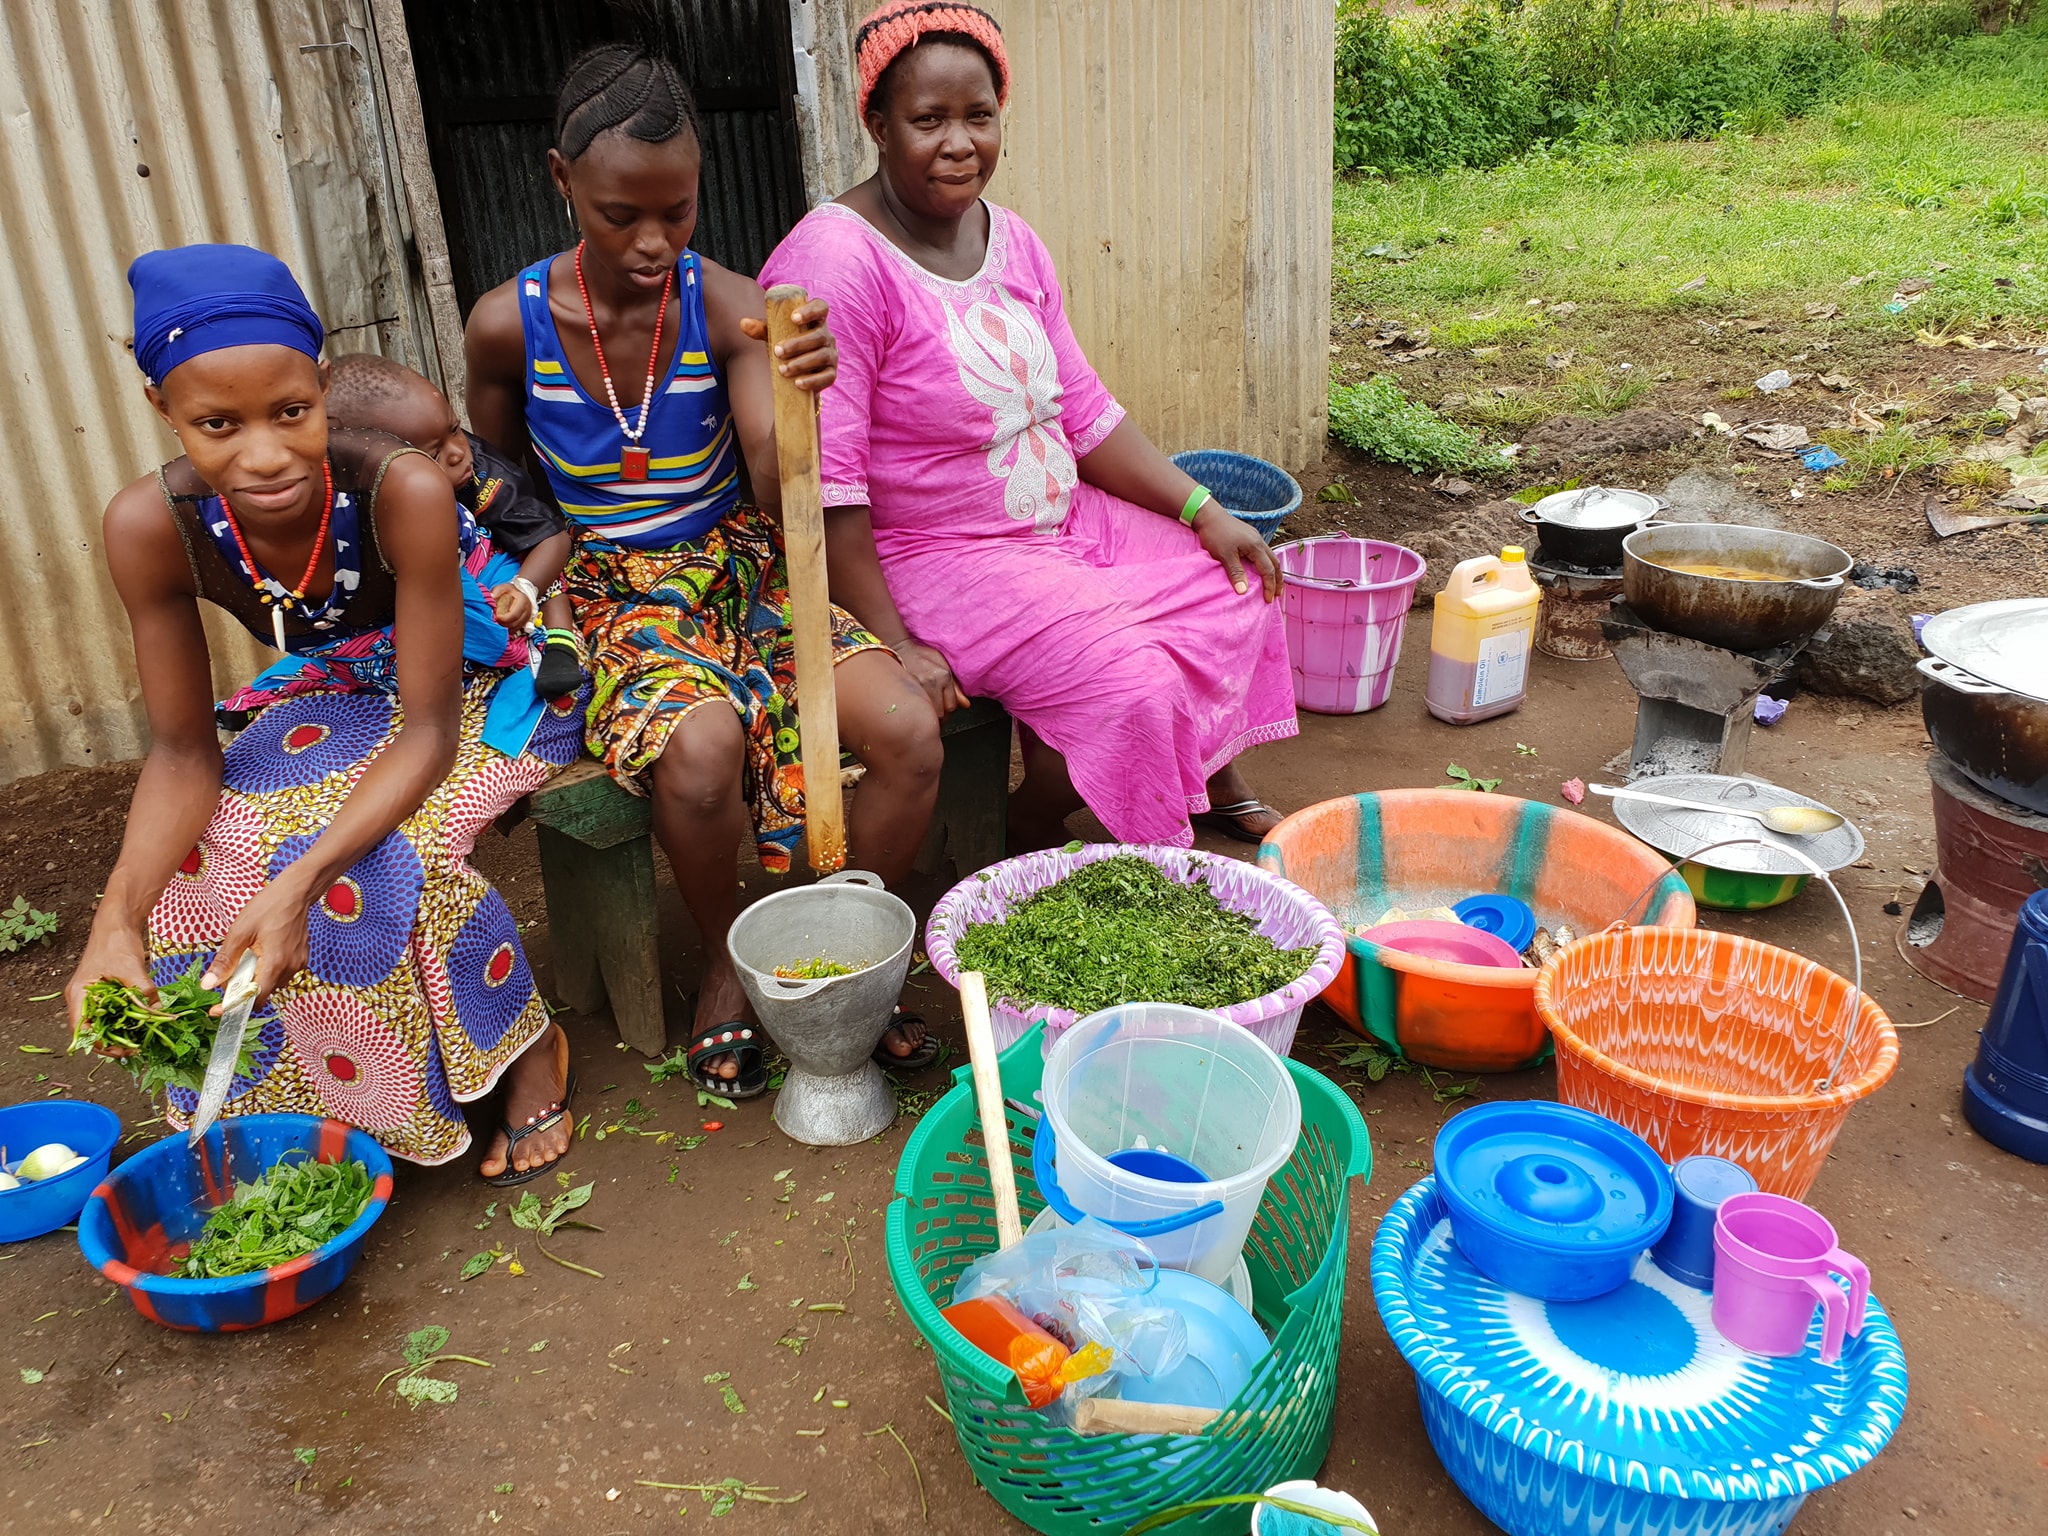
(47, 1161)
(8, 1181)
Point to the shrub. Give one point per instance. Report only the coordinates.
(1378, 418)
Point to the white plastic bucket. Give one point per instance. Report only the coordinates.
(1151, 1085)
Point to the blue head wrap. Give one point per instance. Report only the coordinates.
(200, 298)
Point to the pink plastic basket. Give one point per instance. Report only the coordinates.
(1346, 602)
(1286, 914)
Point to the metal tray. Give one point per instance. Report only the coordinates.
(2004, 643)
(1678, 833)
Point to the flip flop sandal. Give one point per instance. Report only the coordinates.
(552, 1116)
(1229, 819)
(926, 1053)
(740, 1041)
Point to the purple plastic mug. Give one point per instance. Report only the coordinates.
(1774, 1261)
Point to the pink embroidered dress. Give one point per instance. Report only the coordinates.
(958, 416)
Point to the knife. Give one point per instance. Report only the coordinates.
(237, 1002)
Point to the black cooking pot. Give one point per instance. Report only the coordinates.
(1585, 527)
(1999, 739)
(1802, 582)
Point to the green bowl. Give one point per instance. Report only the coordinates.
(1738, 890)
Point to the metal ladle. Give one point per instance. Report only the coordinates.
(1790, 820)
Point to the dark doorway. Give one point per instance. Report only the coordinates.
(488, 71)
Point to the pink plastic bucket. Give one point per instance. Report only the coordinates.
(1346, 602)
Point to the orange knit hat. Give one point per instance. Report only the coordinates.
(897, 26)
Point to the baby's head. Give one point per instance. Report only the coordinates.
(371, 391)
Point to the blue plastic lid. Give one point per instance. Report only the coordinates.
(1560, 1180)
(1505, 917)
(1710, 1180)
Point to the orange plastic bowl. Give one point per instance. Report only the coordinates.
(1710, 1042)
(1421, 848)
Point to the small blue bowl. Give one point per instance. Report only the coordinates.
(1551, 1201)
(1250, 489)
(47, 1204)
(154, 1204)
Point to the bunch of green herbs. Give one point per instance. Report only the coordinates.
(163, 1042)
(1119, 931)
(292, 1209)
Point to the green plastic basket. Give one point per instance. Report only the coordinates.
(1064, 1484)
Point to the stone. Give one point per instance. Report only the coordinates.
(1576, 440)
(1867, 650)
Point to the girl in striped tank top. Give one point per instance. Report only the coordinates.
(634, 372)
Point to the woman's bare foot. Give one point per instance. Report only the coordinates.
(905, 1035)
(1234, 810)
(534, 1087)
(721, 1000)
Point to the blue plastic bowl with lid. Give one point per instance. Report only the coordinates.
(1551, 1201)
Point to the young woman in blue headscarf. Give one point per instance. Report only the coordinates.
(331, 838)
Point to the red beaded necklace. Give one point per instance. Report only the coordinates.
(312, 564)
(633, 459)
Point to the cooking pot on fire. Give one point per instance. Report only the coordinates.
(1585, 527)
(1727, 584)
(1986, 697)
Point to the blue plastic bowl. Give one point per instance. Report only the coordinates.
(159, 1199)
(48, 1204)
(1551, 1201)
(1259, 493)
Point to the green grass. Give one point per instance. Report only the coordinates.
(1376, 418)
(1940, 164)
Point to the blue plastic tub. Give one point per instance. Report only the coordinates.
(156, 1202)
(1259, 493)
(47, 1204)
(1551, 1201)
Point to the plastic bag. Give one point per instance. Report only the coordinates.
(1086, 1284)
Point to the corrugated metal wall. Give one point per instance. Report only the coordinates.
(126, 125)
(1175, 156)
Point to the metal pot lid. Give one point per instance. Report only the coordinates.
(1596, 507)
(2004, 643)
(1678, 833)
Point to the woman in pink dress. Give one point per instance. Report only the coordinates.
(1034, 546)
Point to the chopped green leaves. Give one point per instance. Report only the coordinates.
(169, 1039)
(1119, 930)
(290, 1211)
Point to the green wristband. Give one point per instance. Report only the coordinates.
(1198, 500)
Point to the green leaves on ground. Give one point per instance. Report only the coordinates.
(675, 1064)
(529, 1216)
(1372, 1057)
(723, 1381)
(1460, 779)
(292, 1209)
(1119, 930)
(424, 1349)
(168, 1040)
(1378, 419)
(22, 925)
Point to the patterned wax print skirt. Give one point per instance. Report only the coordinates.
(415, 995)
(704, 622)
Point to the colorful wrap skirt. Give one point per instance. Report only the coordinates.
(705, 622)
(416, 994)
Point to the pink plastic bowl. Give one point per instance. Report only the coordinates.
(1434, 939)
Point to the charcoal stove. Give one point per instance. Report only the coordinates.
(1990, 856)
(1695, 702)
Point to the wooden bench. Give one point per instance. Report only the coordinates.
(597, 865)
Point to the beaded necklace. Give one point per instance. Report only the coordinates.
(633, 458)
(263, 582)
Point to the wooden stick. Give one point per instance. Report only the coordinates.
(1113, 1416)
(988, 1102)
(810, 597)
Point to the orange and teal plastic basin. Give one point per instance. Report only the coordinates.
(1415, 849)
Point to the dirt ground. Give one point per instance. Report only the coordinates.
(598, 1388)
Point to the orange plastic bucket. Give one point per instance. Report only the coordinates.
(1709, 1042)
(1421, 848)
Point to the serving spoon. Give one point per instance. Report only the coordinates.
(1790, 820)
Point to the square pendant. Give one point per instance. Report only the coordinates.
(633, 463)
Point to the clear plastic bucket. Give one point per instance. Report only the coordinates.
(1149, 1088)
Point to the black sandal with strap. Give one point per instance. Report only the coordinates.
(926, 1053)
(740, 1041)
(1230, 819)
(547, 1119)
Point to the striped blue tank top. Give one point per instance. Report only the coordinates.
(694, 475)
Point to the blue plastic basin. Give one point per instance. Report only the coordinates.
(47, 1204)
(1548, 1200)
(154, 1204)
